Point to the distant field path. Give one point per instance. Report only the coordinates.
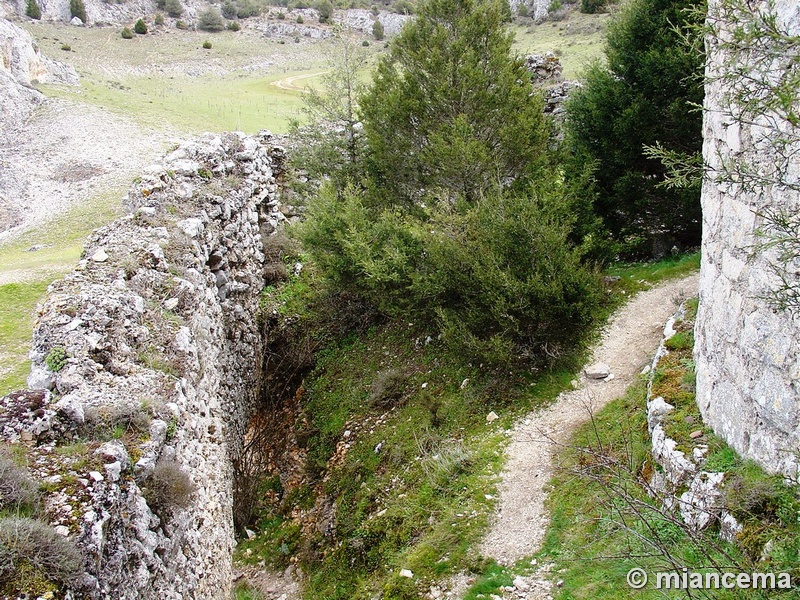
(288, 83)
(628, 342)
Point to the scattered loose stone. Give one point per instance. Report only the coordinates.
(597, 371)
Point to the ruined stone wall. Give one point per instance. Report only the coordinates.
(148, 357)
(748, 351)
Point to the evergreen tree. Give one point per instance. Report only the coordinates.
(445, 212)
(646, 95)
(32, 10)
(140, 27)
(451, 111)
(211, 20)
(77, 9)
(324, 10)
(377, 30)
(174, 8)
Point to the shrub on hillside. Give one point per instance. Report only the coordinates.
(324, 10)
(34, 555)
(140, 27)
(159, 19)
(300, 19)
(499, 276)
(77, 9)
(32, 9)
(229, 9)
(247, 8)
(206, 45)
(234, 26)
(211, 20)
(181, 24)
(377, 30)
(169, 486)
(174, 8)
(17, 489)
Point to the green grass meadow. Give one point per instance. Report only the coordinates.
(63, 238)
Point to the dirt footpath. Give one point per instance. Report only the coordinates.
(628, 342)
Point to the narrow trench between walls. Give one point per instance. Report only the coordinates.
(153, 381)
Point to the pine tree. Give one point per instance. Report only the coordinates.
(140, 27)
(451, 109)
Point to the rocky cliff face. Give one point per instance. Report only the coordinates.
(22, 65)
(150, 350)
(97, 11)
(748, 351)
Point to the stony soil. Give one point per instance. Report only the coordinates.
(65, 153)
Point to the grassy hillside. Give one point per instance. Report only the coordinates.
(400, 450)
(167, 77)
(576, 39)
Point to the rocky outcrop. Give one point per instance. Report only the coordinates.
(362, 21)
(681, 480)
(546, 70)
(97, 11)
(537, 9)
(748, 350)
(150, 349)
(358, 20)
(21, 66)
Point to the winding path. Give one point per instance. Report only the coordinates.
(288, 83)
(627, 344)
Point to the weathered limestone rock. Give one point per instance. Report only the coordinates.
(597, 371)
(159, 327)
(21, 65)
(701, 504)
